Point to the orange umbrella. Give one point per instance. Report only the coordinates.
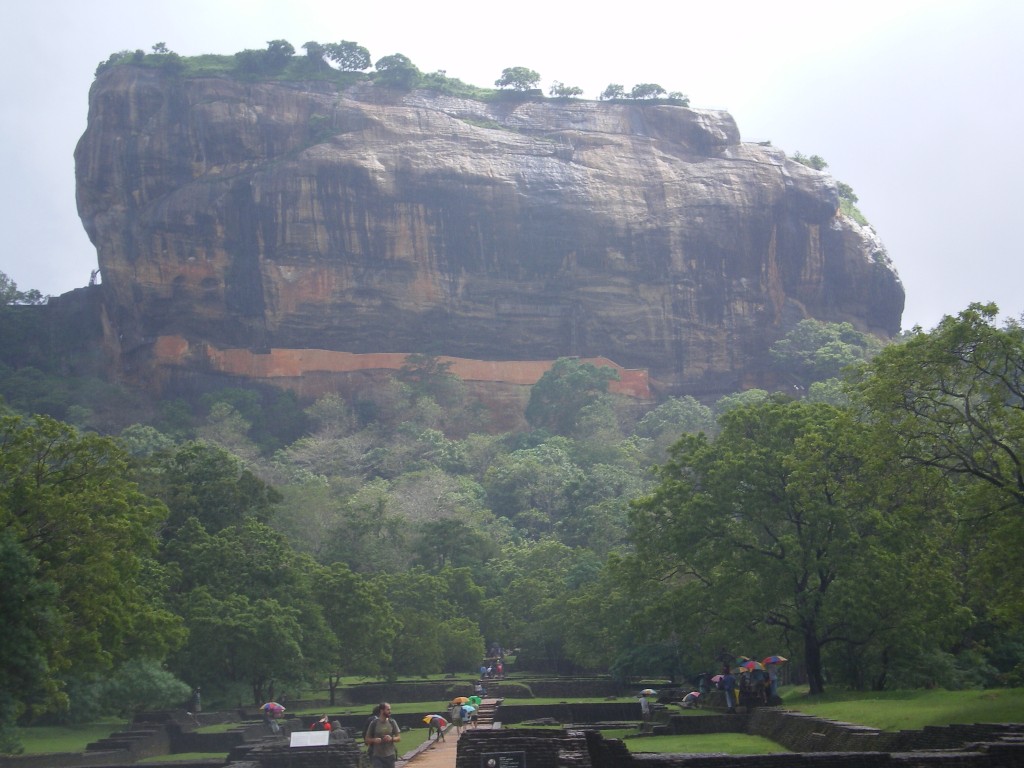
(460, 700)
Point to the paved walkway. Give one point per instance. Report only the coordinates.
(436, 754)
(441, 754)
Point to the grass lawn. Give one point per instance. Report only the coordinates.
(66, 738)
(697, 744)
(912, 710)
(888, 710)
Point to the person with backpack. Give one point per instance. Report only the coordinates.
(382, 733)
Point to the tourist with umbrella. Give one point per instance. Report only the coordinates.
(271, 712)
(435, 723)
(772, 663)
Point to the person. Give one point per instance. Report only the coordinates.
(691, 700)
(773, 684)
(759, 683)
(455, 715)
(323, 724)
(197, 701)
(645, 708)
(271, 711)
(436, 724)
(729, 686)
(366, 728)
(381, 736)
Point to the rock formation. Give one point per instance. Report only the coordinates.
(260, 216)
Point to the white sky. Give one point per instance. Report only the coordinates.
(916, 105)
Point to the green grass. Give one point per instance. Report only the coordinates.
(182, 757)
(912, 710)
(702, 743)
(888, 710)
(66, 738)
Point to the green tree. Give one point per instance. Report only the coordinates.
(243, 567)
(140, 684)
(562, 91)
(397, 71)
(670, 420)
(528, 486)
(462, 647)
(558, 399)
(953, 400)
(646, 91)
(9, 293)
(316, 54)
(349, 56)
(814, 161)
(816, 351)
(270, 61)
(612, 92)
(771, 527)
(235, 639)
(518, 78)
(363, 625)
(78, 536)
(209, 484)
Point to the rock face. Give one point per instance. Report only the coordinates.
(273, 215)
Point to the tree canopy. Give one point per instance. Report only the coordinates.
(518, 78)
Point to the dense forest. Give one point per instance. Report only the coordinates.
(865, 525)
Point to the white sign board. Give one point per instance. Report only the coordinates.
(310, 739)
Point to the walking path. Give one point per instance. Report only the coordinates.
(441, 754)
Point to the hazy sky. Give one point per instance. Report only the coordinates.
(916, 105)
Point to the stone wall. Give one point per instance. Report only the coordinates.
(588, 749)
(568, 714)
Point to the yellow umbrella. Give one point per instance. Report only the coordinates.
(460, 700)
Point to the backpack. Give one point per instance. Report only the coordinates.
(366, 732)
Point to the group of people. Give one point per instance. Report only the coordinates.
(752, 688)
(492, 670)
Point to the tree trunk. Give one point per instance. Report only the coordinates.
(812, 658)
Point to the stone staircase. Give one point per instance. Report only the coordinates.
(486, 713)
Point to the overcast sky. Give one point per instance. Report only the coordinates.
(916, 105)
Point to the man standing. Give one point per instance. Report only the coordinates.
(381, 736)
(645, 709)
(729, 684)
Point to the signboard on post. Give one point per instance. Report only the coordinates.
(310, 739)
(503, 760)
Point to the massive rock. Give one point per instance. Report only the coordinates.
(270, 216)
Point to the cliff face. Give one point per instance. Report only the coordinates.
(291, 216)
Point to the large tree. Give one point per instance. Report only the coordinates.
(815, 351)
(518, 78)
(78, 538)
(953, 399)
(772, 528)
(349, 56)
(560, 397)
